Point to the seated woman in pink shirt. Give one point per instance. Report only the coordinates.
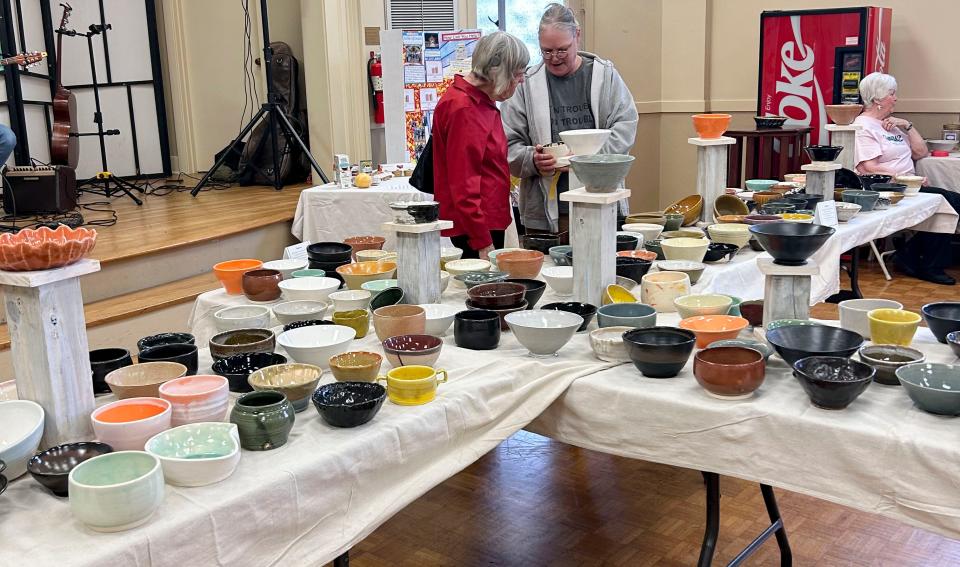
(888, 145)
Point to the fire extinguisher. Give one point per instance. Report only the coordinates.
(375, 74)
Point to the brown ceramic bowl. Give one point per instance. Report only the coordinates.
(501, 311)
(646, 218)
(729, 373)
(143, 380)
(242, 340)
(496, 295)
(752, 311)
(843, 114)
(358, 366)
(261, 285)
(358, 243)
(761, 198)
(394, 320)
(521, 263)
(690, 207)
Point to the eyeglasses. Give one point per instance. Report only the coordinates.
(560, 53)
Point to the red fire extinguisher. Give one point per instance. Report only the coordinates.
(375, 72)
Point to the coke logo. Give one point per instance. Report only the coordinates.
(798, 85)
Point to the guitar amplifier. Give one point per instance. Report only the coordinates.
(39, 189)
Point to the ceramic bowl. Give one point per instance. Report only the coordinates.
(789, 322)
(797, 217)
(182, 353)
(424, 211)
(315, 345)
(557, 150)
(853, 313)
(726, 219)
(350, 300)
(559, 254)
(241, 340)
(533, 291)
(492, 256)
(777, 208)
(791, 244)
(356, 366)
(375, 255)
(496, 295)
(730, 233)
(885, 189)
(242, 317)
(632, 315)
(867, 181)
(584, 310)
(627, 242)
(601, 173)
(449, 254)
(757, 185)
(794, 342)
(655, 246)
(761, 198)
(521, 264)
(560, 279)
(126, 425)
(457, 267)
(886, 359)
(471, 279)
(710, 126)
(893, 326)
(616, 294)
(501, 312)
(832, 382)
(197, 454)
(164, 339)
(196, 398)
(444, 280)
(52, 467)
(349, 404)
(702, 304)
(144, 379)
(627, 284)
(660, 289)
(843, 114)
(690, 249)
(355, 275)
(329, 252)
(103, 361)
(846, 211)
(638, 254)
(387, 297)
(912, 183)
(647, 230)
(769, 121)
(942, 318)
(673, 221)
(44, 249)
(412, 350)
(752, 311)
(657, 217)
(659, 352)
(477, 329)
(693, 269)
(396, 320)
(309, 289)
(308, 323)
(302, 310)
(632, 268)
(759, 346)
(934, 388)
(230, 274)
(941, 145)
(413, 385)
(689, 232)
(22, 424)
(711, 328)
(309, 273)
(823, 154)
(866, 199)
(287, 266)
(717, 251)
(729, 372)
(544, 331)
(117, 491)
(261, 285)
(361, 243)
(607, 344)
(296, 381)
(439, 318)
(585, 142)
(358, 320)
(729, 205)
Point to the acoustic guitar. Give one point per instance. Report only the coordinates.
(64, 148)
(24, 59)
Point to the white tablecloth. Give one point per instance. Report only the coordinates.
(942, 172)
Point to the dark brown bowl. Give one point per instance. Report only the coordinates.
(52, 467)
(502, 312)
(729, 372)
(261, 285)
(242, 340)
(498, 295)
(752, 311)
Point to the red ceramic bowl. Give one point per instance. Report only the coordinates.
(359, 243)
(731, 373)
(45, 249)
(521, 263)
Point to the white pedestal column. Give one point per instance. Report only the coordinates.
(711, 171)
(786, 292)
(845, 136)
(418, 259)
(48, 340)
(820, 178)
(593, 227)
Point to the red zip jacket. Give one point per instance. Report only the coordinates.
(471, 177)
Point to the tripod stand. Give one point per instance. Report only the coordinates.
(276, 116)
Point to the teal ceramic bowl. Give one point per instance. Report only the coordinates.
(788, 322)
(934, 388)
(760, 184)
(633, 315)
(866, 199)
(735, 306)
(759, 346)
(376, 286)
(559, 254)
(309, 273)
(117, 491)
(197, 454)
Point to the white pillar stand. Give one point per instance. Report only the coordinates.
(820, 178)
(593, 227)
(711, 171)
(845, 136)
(786, 292)
(418, 259)
(48, 340)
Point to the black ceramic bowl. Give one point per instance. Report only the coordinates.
(791, 243)
(868, 180)
(794, 342)
(755, 245)
(953, 341)
(103, 361)
(52, 467)
(164, 339)
(823, 153)
(477, 329)
(534, 290)
(893, 187)
(769, 121)
(627, 242)
(659, 352)
(633, 268)
(716, 251)
(655, 247)
(185, 354)
(349, 404)
(329, 252)
(942, 318)
(542, 242)
(389, 296)
(238, 367)
(308, 323)
(777, 207)
(424, 212)
(812, 201)
(832, 382)
(3, 479)
(584, 310)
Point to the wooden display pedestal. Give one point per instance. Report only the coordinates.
(711, 171)
(845, 136)
(786, 292)
(48, 340)
(418, 259)
(593, 228)
(820, 178)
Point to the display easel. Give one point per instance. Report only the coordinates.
(418, 259)
(711, 171)
(593, 228)
(786, 291)
(821, 178)
(845, 136)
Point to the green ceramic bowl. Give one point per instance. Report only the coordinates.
(934, 388)
(309, 273)
(788, 322)
(376, 286)
(264, 419)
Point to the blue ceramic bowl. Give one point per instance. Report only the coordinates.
(635, 315)
(934, 388)
(866, 199)
(760, 184)
(559, 254)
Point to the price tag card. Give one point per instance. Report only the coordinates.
(296, 252)
(826, 214)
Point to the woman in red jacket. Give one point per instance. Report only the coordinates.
(471, 177)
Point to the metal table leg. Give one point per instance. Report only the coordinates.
(344, 560)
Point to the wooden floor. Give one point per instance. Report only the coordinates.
(534, 501)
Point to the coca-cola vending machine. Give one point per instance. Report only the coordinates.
(811, 58)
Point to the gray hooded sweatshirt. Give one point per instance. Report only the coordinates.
(526, 120)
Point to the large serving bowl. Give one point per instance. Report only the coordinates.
(934, 388)
(412, 350)
(287, 266)
(43, 248)
(832, 382)
(560, 279)
(52, 467)
(439, 317)
(496, 295)
(691, 249)
(543, 331)
(659, 352)
(710, 126)
(631, 315)
(866, 199)
(144, 379)
(241, 340)
(584, 310)
(659, 289)
(791, 244)
(117, 491)
(843, 114)
(185, 354)
(601, 173)
(633, 268)
(730, 233)
(356, 366)
(311, 289)
(853, 313)
(533, 291)
(21, 422)
(521, 264)
(729, 372)
(942, 318)
(197, 454)
(355, 275)
(349, 404)
(649, 231)
(711, 328)
(230, 273)
(196, 398)
(585, 142)
(607, 344)
(886, 359)
(793, 342)
(242, 317)
(301, 310)
(823, 154)
(690, 207)
(126, 425)
(315, 345)
(702, 304)
(457, 267)
(846, 211)
(396, 320)
(296, 381)
(893, 326)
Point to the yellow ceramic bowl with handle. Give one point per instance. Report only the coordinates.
(893, 326)
(413, 385)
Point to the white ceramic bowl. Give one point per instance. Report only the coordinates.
(457, 267)
(730, 233)
(607, 344)
(846, 211)
(543, 331)
(559, 278)
(310, 288)
(117, 491)
(375, 255)
(350, 300)
(584, 142)
(691, 249)
(444, 280)
(941, 145)
(21, 427)
(242, 317)
(286, 267)
(439, 318)
(648, 230)
(304, 310)
(315, 345)
(449, 254)
(853, 313)
(913, 183)
(197, 454)
(195, 399)
(131, 435)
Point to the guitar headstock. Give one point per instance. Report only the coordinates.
(30, 59)
(67, 9)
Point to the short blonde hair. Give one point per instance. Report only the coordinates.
(876, 86)
(497, 58)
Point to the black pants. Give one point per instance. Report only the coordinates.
(930, 251)
(462, 242)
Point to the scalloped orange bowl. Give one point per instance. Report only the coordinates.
(45, 249)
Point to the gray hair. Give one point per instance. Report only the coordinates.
(876, 86)
(497, 57)
(559, 16)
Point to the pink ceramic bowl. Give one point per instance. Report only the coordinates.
(195, 399)
(126, 425)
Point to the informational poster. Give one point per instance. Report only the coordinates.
(409, 100)
(428, 98)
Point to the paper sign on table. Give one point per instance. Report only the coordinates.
(296, 252)
(826, 213)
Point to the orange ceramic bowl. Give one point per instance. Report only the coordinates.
(726, 219)
(761, 198)
(711, 125)
(710, 328)
(230, 273)
(359, 243)
(44, 249)
(359, 273)
(642, 254)
(690, 207)
(524, 264)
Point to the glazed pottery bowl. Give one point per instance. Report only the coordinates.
(759, 346)
(143, 380)
(797, 217)
(789, 322)
(242, 317)
(287, 266)
(557, 150)
(560, 279)
(521, 264)
(617, 294)
(793, 342)
(360, 243)
(309, 289)
(533, 291)
(412, 350)
(711, 328)
(633, 268)
(355, 275)
(690, 249)
(689, 232)
(867, 181)
(752, 311)
(853, 313)
(261, 285)
(631, 315)
(116, 491)
(657, 217)
(584, 310)
(329, 252)
(387, 297)
(477, 330)
(659, 352)
(264, 419)
(953, 341)
(413, 385)
(43, 248)
(356, 366)
(302, 310)
(846, 211)
(791, 244)
(717, 251)
(349, 300)
(126, 425)
(823, 154)
(729, 205)
(439, 317)
(22, 424)
(329, 269)
(449, 254)
(585, 142)
(315, 345)
(182, 353)
(501, 312)
(893, 326)
(559, 254)
(164, 339)
(103, 361)
(761, 197)
(196, 398)
(647, 230)
(912, 183)
(769, 121)
(726, 219)
(230, 274)
(358, 320)
(627, 242)
(296, 381)
(886, 359)
(832, 382)
(941, 145)
(729, 372)
(673, 221)
(607, 344)
(757, 185)
(424, 212)
(702, 304)
(374, 256)
(730, 233)
(457, 267)
(444, 280)
(866, 199)
(308, 323)
(843, 114)
(471, 279)
(349, 404)
(52, 467)
(396, 320)
(886, 188)
(659, 289)
(197, 454)
(710, 126)
(934, 388)
(601, 173)
(544, 331)
(942, 318)
(655, 246)
(496, 295)
(638, 254)
(492, 256)
(777, 208)
(241, 340)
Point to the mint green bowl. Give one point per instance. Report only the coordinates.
(309, 273)
(376, 286)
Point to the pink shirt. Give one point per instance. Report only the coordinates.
(891, 147)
